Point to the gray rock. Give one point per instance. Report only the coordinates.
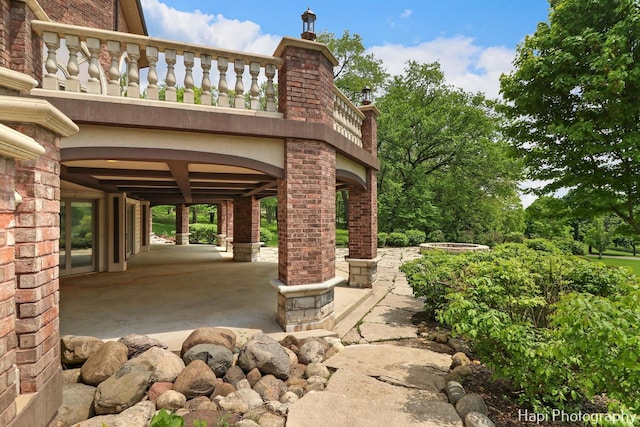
(209, 335)
(123, 389)
(455, 391)
(266, 354)
(270, 388)
(311, 352)
(138, 344)
(104, 363)
(166, 364)
(241, 401)
(137, 416)
(233, 375)
(71, 376)
(77, 403)
(197, 379)
(471, 403)
(289, 397)
(243, 383)
(317, 369)
(293, 357)
(458, 345)
(171, 400)
(476, 419)
(75, 350)
(219, 358)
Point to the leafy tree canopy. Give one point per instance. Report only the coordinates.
(573, 104)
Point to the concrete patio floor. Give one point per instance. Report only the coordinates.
(171, 290)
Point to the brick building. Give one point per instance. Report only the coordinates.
(83, 158)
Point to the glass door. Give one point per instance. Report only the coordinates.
(77, 243)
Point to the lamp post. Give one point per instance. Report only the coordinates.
(308, 25)
(366, 95)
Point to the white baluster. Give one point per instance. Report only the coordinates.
(270, 72)
(152, 76)
(205, 62)
(113, 85)
(254, 70)
(73, 44)
(238, 67)
(133, 75)
(223, 89)
(50, 80)
(93, 85)
(170, 92)
(188, 77)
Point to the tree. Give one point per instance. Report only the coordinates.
(601, 232)
(356, 68)
(573, 104)
(443, 165)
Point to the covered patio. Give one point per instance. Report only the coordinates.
(171, 290)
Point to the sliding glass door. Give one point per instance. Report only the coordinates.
(77, 241)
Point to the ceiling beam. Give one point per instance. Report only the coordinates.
(260, 189)
(180, 172)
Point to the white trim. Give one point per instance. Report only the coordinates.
(16, 80)
(36, 111)
(16, 145)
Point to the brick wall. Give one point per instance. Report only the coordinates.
(306, 213)
(87, 13)
(230, 216)
(5, 25)
(305, 86)
(8, 339)
(36, 251)
(25, 48)
(246, 220)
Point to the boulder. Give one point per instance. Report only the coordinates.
(211, 418)
(312, 351)
(459, 359)
(271, 420)
(209, 335)
(240, 402)
(137, 416)
(194, 404)
(104, 363)
(171, 400)
(125, 388)
(476, 419)
(471, 403)
(77, 403)
(197, 379)
(317, 369)
(223, 390)
(233, 375)
(218, 357)
(75, 350)
(166, 364)
(138, 344)
(270, 388)
(72, 376)
(266, 354)
(455, 391)
(158, 389)
(458, 373)
(253, 376)
(293, 357)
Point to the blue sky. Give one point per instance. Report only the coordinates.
(474, 40)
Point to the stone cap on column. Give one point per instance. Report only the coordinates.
(36, 111)
(370, 108)
(305, 44)
(18, 146)
(362, 262)
(16, 81)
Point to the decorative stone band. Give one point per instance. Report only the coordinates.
(36, 111)
(246, 252)
(305, 307)
(16, 81)
(18, 146)
(363, 273)
(182, 239)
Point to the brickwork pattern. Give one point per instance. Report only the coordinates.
(246, 220)
(229, 216)
(222, 218)
(306, 213)
(8, 339)
(5, 26)
(36, 251)
(25, 47)
(87, 13)
(305, 86)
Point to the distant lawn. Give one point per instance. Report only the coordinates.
(634, 265)
(615, 252)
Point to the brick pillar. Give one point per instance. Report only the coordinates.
(363, 214)
(229, 220)
(182, 225)
(25, 47)
(221, 209)
(306, 196)
(246, 229)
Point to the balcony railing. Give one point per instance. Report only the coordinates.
(82, 59)
(347, 118)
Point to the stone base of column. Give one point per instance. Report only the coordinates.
(246, 252)
(363, 273)
(182, 239)
(306, 307)
(221, 240)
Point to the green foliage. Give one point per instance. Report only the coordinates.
(397, 240)
(436, 236)
(202, 233)
(573, 107)
(600, 233)
(166, 419)
(266, 235)
(199, 423)
(342, 238)
(557, 326)
(415, 237)
(382, 239)
(570, 246)
(543, 245)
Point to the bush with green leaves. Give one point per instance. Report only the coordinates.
(382, 239)
(571, 246)
(166, 419)
(559, 327)
(397, 240)
(202, 233)
(266, 235)
(415, 237)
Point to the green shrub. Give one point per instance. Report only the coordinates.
(514, 237)
(382, 239)
(559, 327)
(166, 419)
(415, 237)
(436, 236)
(397, 240)
(266, 236)
(542, 245)
(571, 246)
(202, 233)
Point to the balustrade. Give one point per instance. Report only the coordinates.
(347, 118)
(104, 53)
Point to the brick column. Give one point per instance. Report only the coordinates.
(246, 229)
(221, 209)
(306, 196)
(182, 225)
(363, 214)
(25, 47)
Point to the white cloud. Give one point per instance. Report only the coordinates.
(406, 13)
(465, 64)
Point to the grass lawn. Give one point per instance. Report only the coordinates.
(633, 264)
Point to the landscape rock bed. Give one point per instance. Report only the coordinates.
(212, 380)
